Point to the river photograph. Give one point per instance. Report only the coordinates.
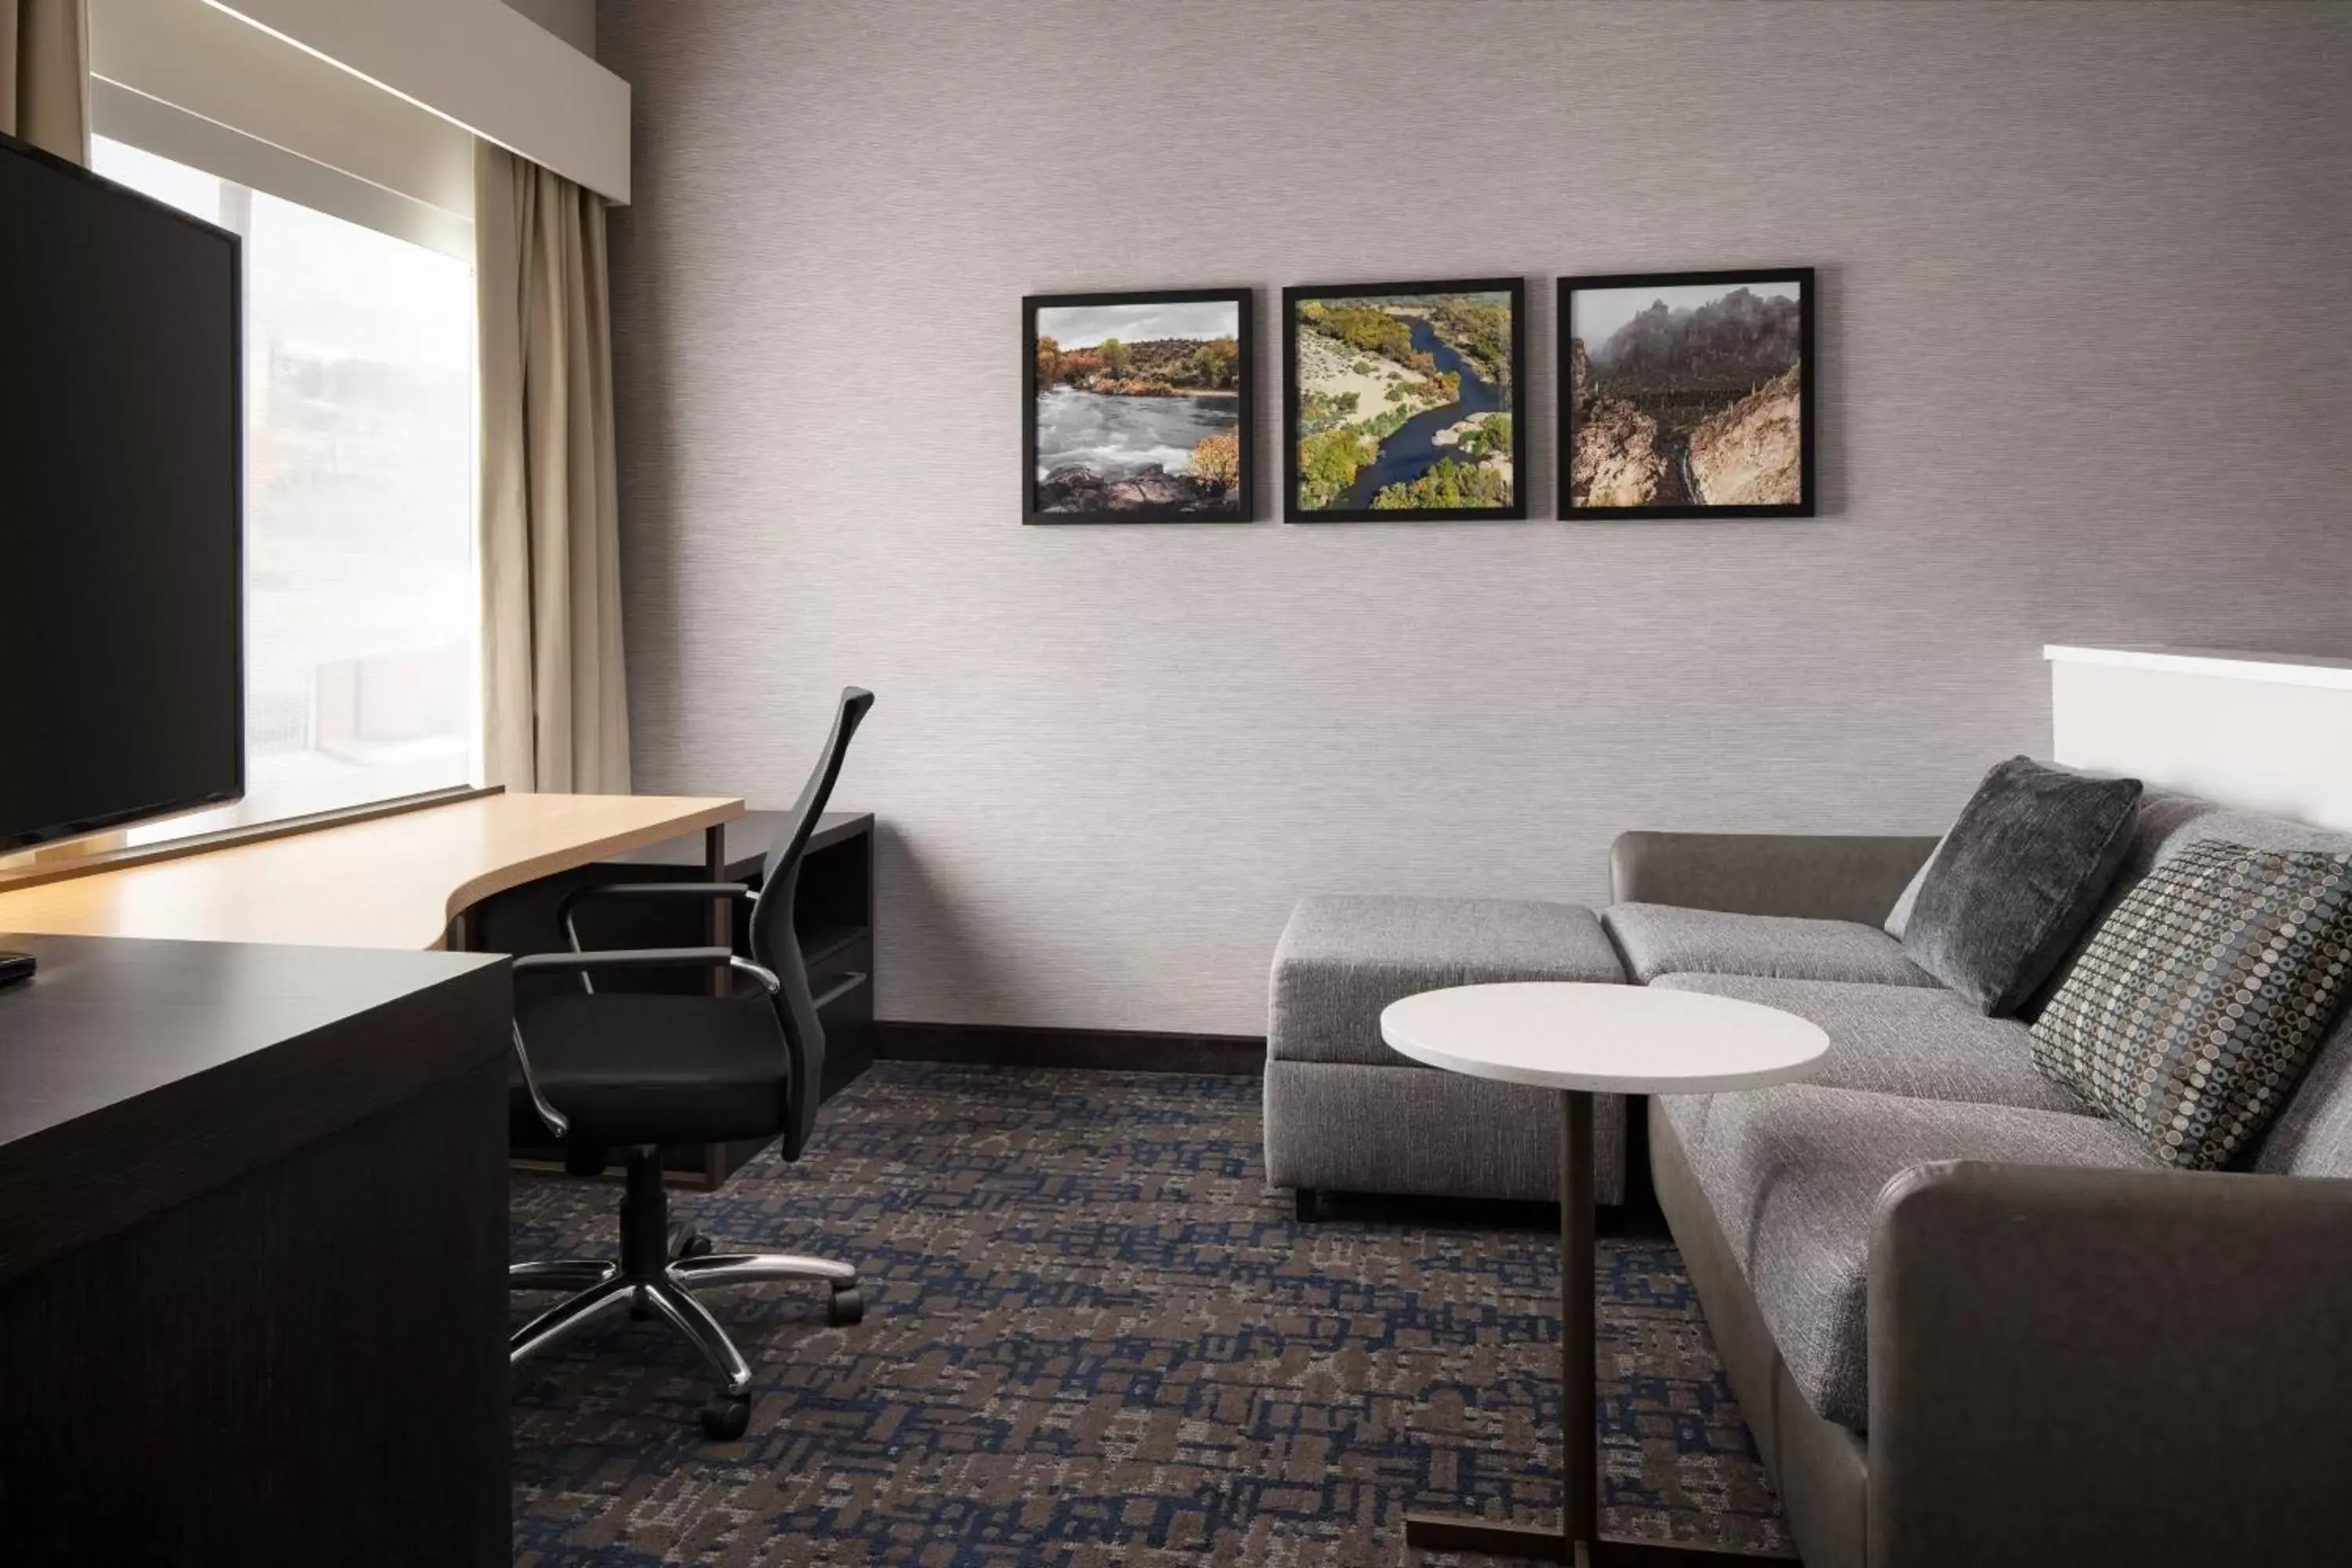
(1137, 409)
(1686, 395)
(1405, 402)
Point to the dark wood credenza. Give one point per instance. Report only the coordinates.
(253, 1247)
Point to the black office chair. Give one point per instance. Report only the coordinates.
(626, 1072)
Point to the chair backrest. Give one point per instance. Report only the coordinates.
(773, 942)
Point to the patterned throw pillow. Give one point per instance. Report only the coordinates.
(2198, 1002)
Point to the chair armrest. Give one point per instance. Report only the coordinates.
(2072, 1366)
(624, 958)
(1816, 876)
(554, 1121)
(599, 891)
(649, 958)
(662, 891)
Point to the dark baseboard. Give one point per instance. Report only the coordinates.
(1091, 1050)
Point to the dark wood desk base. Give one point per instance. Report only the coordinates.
(1576, 1537)
(253, 1302)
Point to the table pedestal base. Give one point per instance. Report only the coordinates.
(1461, 1532)
(1577, 1538)
(1533, 1543)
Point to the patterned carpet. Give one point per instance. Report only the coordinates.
(1093, 1336)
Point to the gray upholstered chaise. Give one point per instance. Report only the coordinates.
(1343, 1112)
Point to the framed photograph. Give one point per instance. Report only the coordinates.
(1686, 395)
(1138, 407)
(1403, 401)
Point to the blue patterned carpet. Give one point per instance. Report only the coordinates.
(1093, 1336)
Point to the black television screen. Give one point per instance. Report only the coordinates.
(122, 637)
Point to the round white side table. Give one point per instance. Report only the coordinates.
(1583, 1040)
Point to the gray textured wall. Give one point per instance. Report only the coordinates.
(2086, 354)
(574, 21)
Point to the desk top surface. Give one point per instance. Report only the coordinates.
(1633, 1039)
(395, 881)
(134, 1075)
(106, 1022)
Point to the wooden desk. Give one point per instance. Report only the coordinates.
(395, 881)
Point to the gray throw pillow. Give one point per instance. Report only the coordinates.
(2196, 1005)
(2017, 878)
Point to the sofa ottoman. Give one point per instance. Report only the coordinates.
(1345, 1113)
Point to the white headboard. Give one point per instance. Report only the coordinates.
(2269, 732)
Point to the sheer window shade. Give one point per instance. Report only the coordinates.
(362, 598)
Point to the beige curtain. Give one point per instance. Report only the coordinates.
(45, 74)
(555, 706)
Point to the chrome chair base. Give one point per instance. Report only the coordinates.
(652, 1283)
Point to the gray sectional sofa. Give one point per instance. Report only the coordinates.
(1970, 1320)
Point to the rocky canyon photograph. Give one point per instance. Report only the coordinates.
(1686, 395)
(1138, 407)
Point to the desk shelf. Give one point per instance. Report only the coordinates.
(826, 942)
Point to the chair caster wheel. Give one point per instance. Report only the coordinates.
(727, 1416)
(846, 1307)
(693, 1244)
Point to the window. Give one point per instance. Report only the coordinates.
(361, 599)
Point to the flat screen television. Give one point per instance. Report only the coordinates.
(121, 576)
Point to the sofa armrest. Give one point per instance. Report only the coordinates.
(1816, 876)
(2072, 1366)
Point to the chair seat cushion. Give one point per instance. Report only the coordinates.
(636, 1068)
(1793, 1176)
(1343, 958)
(1664, 939)
(1922, 1041)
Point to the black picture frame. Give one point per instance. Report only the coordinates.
(1569, 412)
(1244, 302)
(1294, 297)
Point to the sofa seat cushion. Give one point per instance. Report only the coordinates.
(1344, 957)
(1793, 1176)
(1661, 939)
(1912, 1040)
